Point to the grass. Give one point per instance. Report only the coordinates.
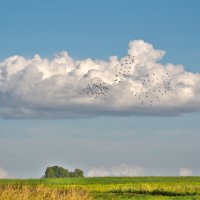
(23, 192)
(107, 188)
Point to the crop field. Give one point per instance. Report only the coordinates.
(104, 188)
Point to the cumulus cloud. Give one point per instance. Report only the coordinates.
(3, 173)
(185, 172)
(137, 84)
(120, 170)
(98, 171)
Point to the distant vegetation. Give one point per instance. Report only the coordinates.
(60, 172)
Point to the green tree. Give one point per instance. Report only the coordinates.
(60, 172)
(49, 173)
(63, 172)
(78, 173)
(71, 174)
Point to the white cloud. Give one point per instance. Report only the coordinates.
(185, 172)
(3, 173)
(66, 88)
(120, 170)
(127, 170)
(98, 171)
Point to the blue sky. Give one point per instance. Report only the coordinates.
(97, 30)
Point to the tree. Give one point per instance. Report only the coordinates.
(49, 173)
(71, 174)
(63, 172)
(78, 173)
(60, 172)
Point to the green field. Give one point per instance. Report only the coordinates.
(154, 188)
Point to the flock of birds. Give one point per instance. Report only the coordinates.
(124, 69)
(149, 89)
(96, 89)
(153, 88)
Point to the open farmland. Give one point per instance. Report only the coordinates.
(179, 188)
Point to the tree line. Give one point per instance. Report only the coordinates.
(60, 172)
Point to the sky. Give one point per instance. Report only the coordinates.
(65, 100)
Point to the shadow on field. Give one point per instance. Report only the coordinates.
(154, 192)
